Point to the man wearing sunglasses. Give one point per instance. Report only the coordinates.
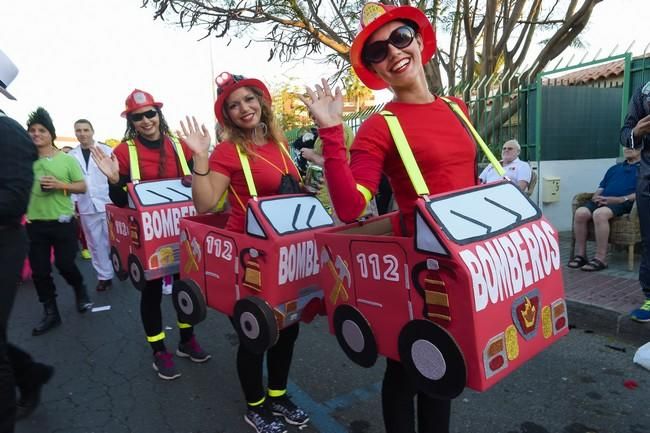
(518, 171)
(157, 156)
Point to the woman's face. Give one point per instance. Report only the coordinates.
(146, 122)
(401, 65)
(40, 135)
(244, 109)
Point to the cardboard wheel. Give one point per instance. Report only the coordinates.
(116, 261)
(136, 272)
(188, 302)
(355, 336)
(255, 324)
(432, 359)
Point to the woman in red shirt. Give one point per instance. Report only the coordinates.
(157, 158)
(243, 108)
(390, 50)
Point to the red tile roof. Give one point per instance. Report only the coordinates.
(587, 75)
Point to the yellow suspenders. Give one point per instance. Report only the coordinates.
(135, 166)
(406, 154)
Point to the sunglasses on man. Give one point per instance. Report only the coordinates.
(377, 51)
(136, 117)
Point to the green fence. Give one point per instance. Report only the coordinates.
(551, 118)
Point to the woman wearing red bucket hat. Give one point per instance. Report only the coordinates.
(389, 51)
(157, 156)
(243, 108)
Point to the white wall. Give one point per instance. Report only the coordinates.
(575, 176)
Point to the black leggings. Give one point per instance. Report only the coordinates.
(278, 363)
(397, 395)
(151, 314)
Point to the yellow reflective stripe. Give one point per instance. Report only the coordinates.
(183, 325)
(247, 171)
(155, 338)
(405, 153)
(221, 204)
(493, 160)
(367, 196)
(181, 155)
(134, 166)
(277, 393)
(258, 403)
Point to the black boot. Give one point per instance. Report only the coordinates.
(51, 318)
(83, 301)
(30, 393)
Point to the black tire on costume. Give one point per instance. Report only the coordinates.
(355, 336)
(255, 324)
(432, 359)
(116, 261)
(188, 302)
(136, 272)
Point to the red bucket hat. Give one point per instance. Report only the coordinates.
(228, 83)
(375, 15)
(138, 99)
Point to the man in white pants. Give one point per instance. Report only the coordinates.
(91, 204)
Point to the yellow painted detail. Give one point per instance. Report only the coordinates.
(512, 343)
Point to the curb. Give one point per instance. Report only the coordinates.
(608, 322)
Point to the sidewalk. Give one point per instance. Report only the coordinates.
(601, 301)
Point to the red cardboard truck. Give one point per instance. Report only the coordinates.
(265, 278)
(144, 236)
(473, 295)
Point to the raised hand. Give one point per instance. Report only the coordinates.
(325, 106)
(197, 138)
(106, 164)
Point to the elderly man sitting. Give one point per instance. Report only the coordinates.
(614, 197)
(518, 171)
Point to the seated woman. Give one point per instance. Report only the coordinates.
(614, 197)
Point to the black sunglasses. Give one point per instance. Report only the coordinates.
(136, 117)
(377, 51)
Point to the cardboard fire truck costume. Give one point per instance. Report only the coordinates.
(265, 278)
(474, 294)
(144, 236)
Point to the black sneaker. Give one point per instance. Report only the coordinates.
(263, 421)
(283, 406)
(30, 394)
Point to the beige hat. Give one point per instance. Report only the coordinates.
(8, 72)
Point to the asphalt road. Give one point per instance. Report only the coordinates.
(104, 382)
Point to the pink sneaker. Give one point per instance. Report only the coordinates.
(163, 363)
(192, 350)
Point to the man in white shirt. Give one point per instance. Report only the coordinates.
(91, 204)
(518, 171)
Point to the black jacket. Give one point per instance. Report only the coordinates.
(638, 109)
(17, 156)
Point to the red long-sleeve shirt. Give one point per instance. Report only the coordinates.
(443, 149)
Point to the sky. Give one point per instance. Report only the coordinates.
(81, 59)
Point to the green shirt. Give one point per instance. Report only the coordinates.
(348, 136)
(52, 205)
